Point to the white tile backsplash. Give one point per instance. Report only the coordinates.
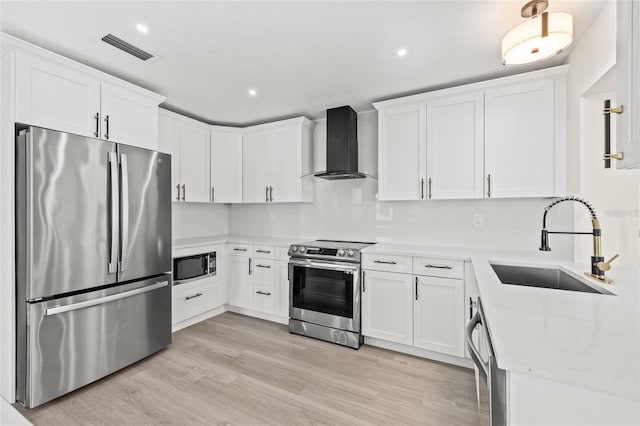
(190, 220)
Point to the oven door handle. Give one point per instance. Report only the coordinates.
(483, 367)
(345, 267)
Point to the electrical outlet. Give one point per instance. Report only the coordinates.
(272, 217)
(477, 219)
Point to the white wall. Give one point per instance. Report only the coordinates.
(199, 220)
(349, 210)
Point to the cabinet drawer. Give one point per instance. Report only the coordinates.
(387, 263)
(264, 272)
(282, 253)
(264, 299)
(264, 252)
(191, 299)
(245, 250)
(434, 267)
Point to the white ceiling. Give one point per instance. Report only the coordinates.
(301, 57)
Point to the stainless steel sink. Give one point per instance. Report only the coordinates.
(544, 277)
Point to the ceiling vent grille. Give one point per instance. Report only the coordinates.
(127, 47)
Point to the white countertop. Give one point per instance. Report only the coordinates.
(589, 340)
(238, 239)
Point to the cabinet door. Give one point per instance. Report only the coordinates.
(226, 167)
(167, 144)
(439, 315)
(285, 165)
(283, 279)
(56, 97)
(519, 140)
(240, 282)
(255, 166)
(455, 147)
(628, 83)
(128, 117)
(402, 153)
(387, 306)
(193, 141)
(265, 299)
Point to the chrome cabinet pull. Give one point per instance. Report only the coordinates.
(422, 189)
(364, 286)
(271, 194)
(239, 249)
(213, 194)
(259, 265)
(386, 262)
(184, 191)
(113, 262)
(489, 186)
(438, 266)
(429, 188)
(417, 296)
(178, 188)
(249, 266)
(263, 251)
(124, 209)
(193, 297)
(97, 118)
(266, 194)
(106, 134)
(264, 293)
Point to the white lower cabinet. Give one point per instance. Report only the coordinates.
(283, 282)
(240, 280)
(387, 306)
(439, 315)
(196, 297)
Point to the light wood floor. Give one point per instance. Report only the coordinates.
(233, 369)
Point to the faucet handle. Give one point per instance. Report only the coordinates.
(605, 266)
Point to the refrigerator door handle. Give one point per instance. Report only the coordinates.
(103, 300)
(124, 206)
(113, 165)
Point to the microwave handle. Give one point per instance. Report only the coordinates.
(483, 367)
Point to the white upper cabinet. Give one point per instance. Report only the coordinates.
(255, 166)
(56, 96)
(455, 135)
(498, 138)
(519, 140)
(188, 142)
(402, 152)
(60, 94)
(128, 117)
(275, 157)
(628, 84)
(226, 165)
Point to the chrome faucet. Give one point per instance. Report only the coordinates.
(598, 265)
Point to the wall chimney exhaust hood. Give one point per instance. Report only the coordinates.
(342, 145)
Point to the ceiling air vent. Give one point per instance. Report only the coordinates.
(127, 47)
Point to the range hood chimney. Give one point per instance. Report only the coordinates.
(342, 145)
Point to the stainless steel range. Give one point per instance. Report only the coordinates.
(324, 291)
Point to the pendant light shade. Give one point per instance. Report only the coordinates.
(542, 36)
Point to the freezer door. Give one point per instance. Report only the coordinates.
(76, 340)
(66, 213)
(145, 199)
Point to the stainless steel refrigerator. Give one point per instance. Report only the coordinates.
(93, 260)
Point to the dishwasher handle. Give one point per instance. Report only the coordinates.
(483, 367)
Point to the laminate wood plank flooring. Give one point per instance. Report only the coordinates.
(239, 370)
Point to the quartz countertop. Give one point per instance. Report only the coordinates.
(234, 238)
(585, 339)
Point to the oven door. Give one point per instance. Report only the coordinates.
(325, 293)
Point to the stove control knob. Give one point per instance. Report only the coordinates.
(302, 249)
(294, 249)
(341, 252)
(350, 253)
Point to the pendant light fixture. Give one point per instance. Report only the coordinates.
(542, 36)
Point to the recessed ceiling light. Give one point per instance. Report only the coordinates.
(142, 28)
(252, 92)
(402, 52)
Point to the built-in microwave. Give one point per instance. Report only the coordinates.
(193, 267)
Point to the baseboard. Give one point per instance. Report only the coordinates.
(422, 353)
(200, 317)
(256, 314)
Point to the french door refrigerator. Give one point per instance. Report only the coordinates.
(93, 260)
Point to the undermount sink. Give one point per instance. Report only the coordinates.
(551, 277)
